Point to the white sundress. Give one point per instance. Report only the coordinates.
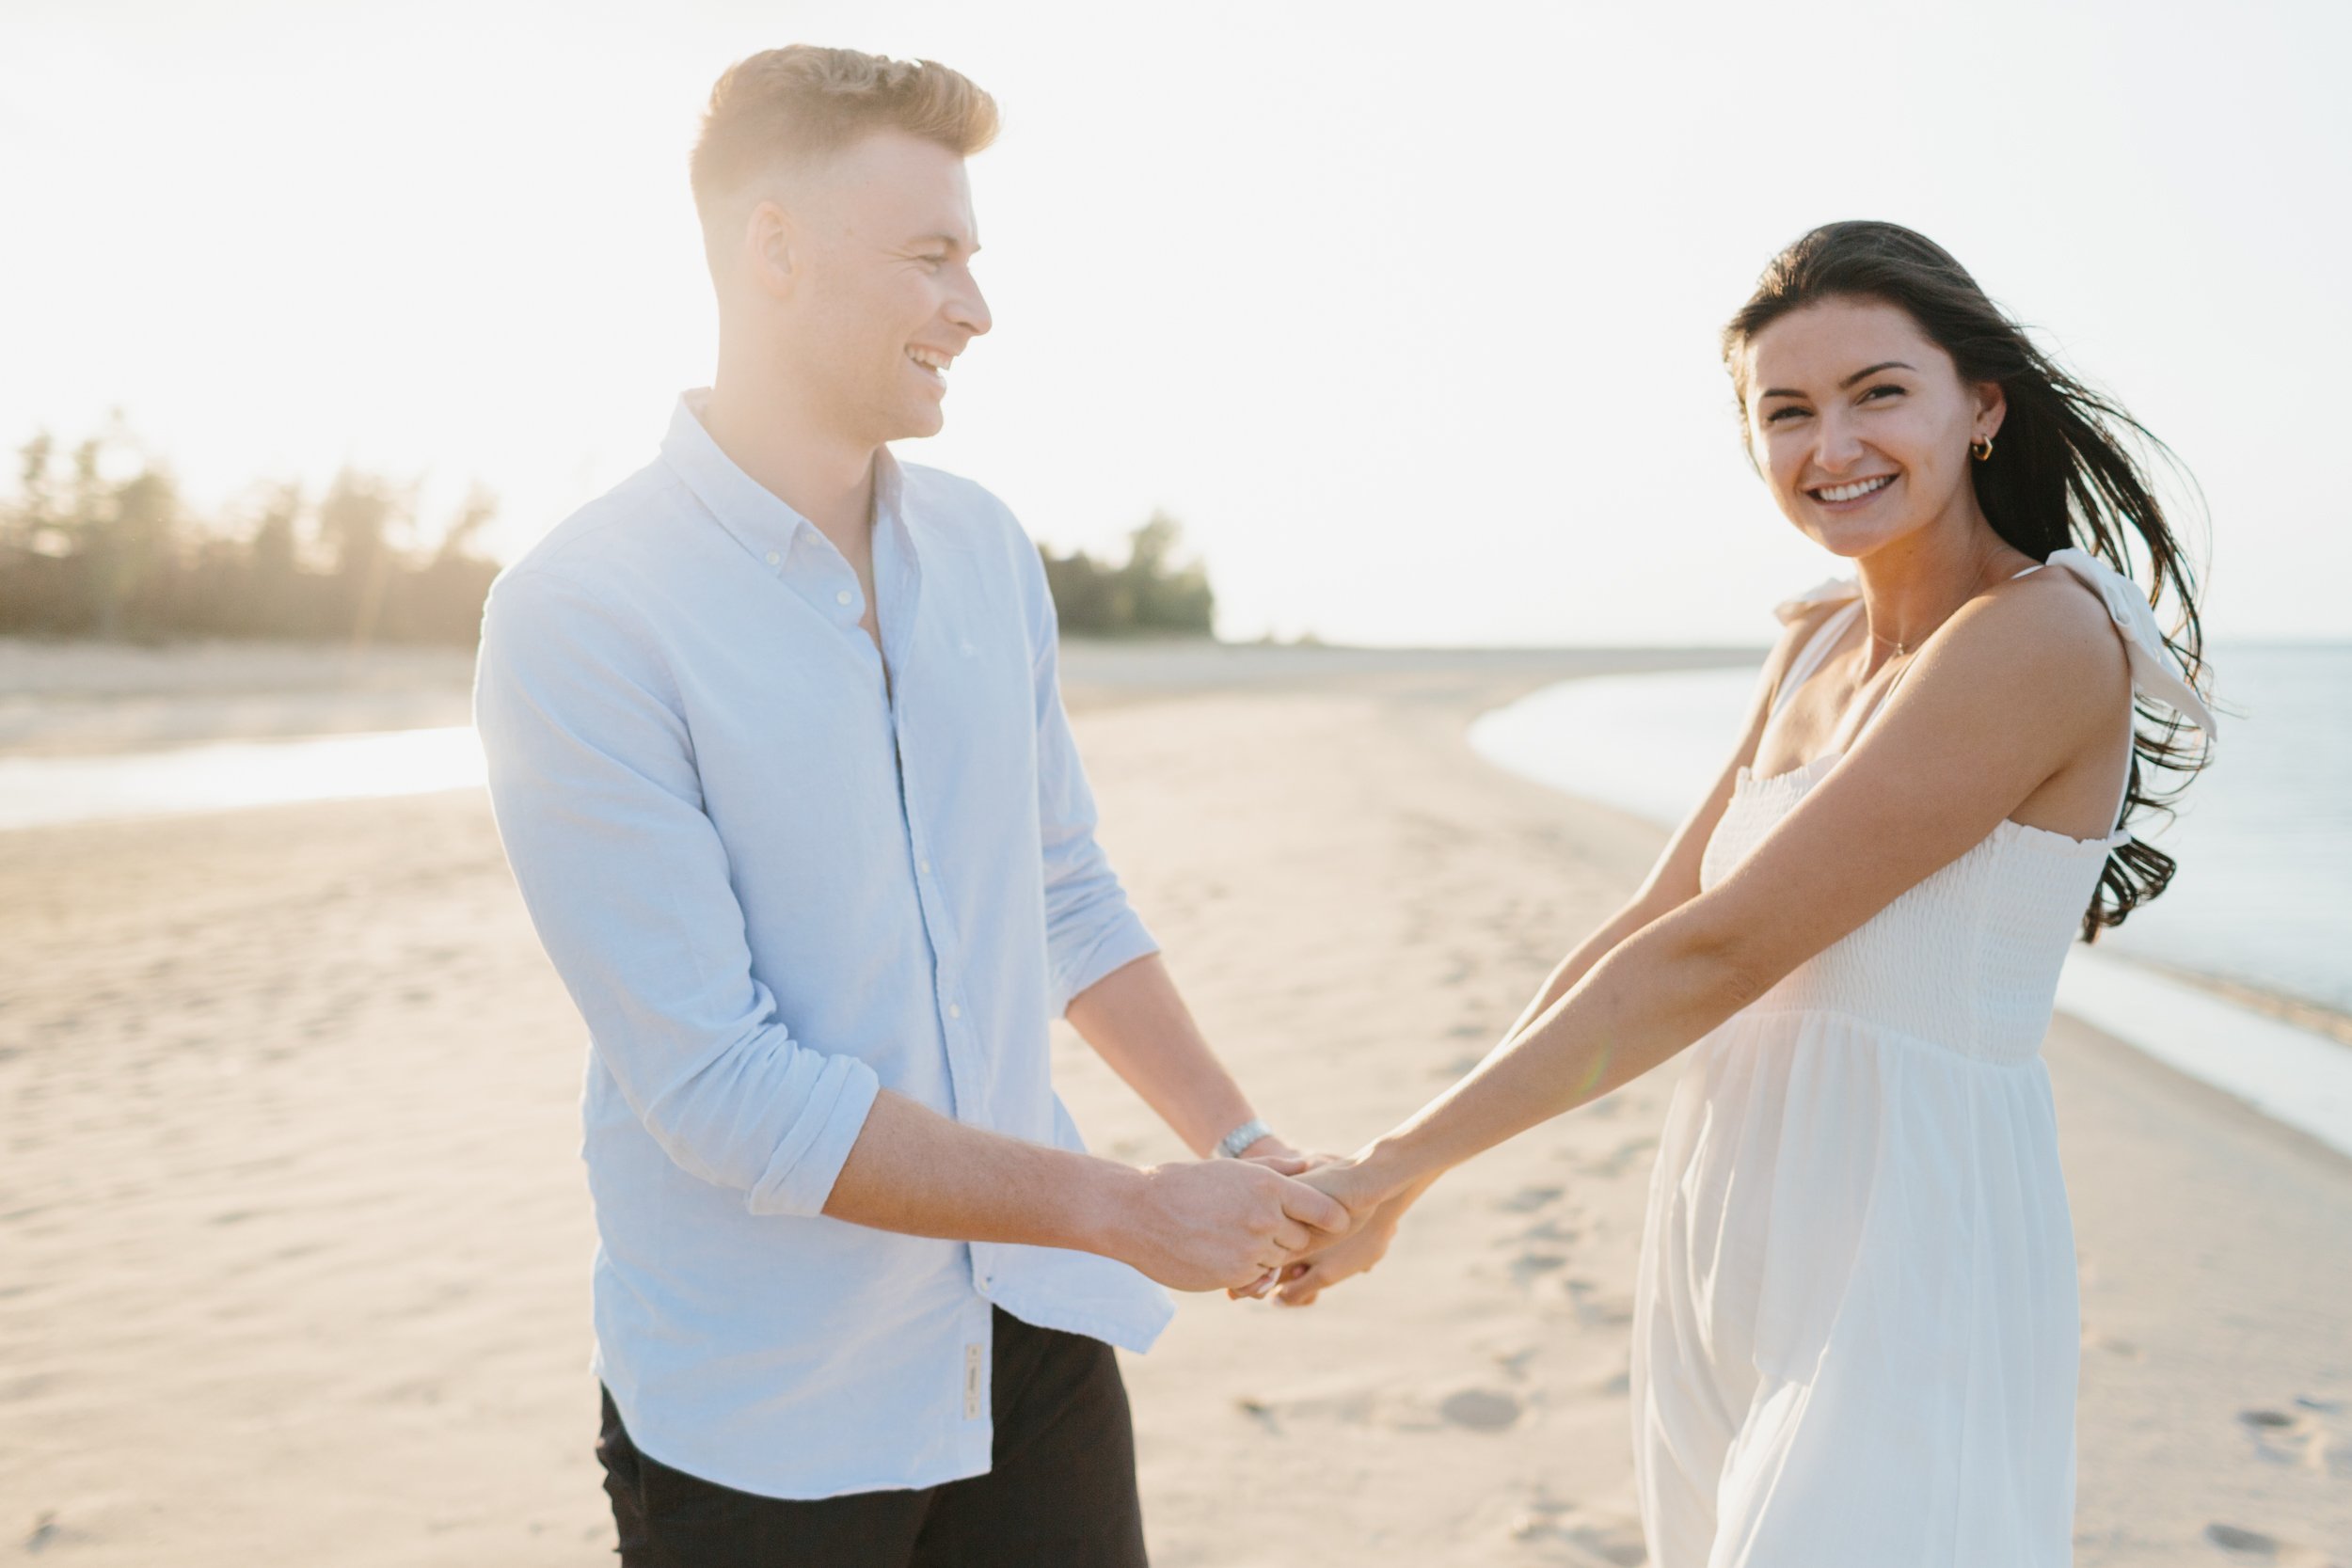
(1855, 1327)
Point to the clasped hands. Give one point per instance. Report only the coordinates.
(1279, 1223)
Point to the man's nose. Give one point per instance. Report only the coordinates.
(968, 309)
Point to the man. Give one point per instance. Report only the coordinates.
(778, 755)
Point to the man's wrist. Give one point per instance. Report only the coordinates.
(1244, 1140)
(1107, 1214)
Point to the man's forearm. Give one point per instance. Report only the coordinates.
(1193, 1226)
(922, 1174)
(1136, 1021)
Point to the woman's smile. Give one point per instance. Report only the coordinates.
(1850, 495)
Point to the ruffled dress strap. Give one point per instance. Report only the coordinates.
(2154, 675)
(1843, 592)
(1836, 591)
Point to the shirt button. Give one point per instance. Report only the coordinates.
(923, 866)
(954, 1011)
(842, 597)
(774, 558)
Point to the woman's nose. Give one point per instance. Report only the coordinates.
(1837, 446)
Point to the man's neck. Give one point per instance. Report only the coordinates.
(764, 428)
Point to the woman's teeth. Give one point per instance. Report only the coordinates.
(1856, 490)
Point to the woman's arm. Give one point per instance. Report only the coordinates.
(1672, 881)
(1957, 750)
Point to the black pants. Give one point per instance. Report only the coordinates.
(1060, 1493)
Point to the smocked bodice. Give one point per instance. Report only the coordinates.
(1967, 959)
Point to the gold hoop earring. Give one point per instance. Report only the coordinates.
(1982, 447)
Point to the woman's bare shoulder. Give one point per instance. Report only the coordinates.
(2044, 633)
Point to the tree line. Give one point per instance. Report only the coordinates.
(99, 540)
(1152, 593)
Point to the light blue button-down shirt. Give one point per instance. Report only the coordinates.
(776, 884)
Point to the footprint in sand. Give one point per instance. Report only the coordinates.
(2252, 1545)
(1578, 1541)
(2300, 1438)
(1528, 1199)
(1514, 1363)
(1531, 1265)
(1620, 1158)
(1480, 1409)
(1619, 1545)
(2094, 1339)
(1593, 1309)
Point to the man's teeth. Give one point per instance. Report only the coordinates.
(1854, 491)
(929, 360)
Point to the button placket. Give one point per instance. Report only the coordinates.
(962, 1079)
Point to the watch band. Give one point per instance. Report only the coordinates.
(1231, 1145)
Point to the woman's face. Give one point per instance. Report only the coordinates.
(1862, 425)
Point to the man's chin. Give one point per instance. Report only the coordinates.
(915, 423)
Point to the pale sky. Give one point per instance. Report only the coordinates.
(1407, 313)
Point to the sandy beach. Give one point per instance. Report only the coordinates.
(294, 1239)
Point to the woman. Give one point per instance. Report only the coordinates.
(1856, 1327)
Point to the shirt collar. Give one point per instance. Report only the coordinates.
(759, 519)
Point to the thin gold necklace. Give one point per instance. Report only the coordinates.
(1904, 650)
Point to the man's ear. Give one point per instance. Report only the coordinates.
(769, 259)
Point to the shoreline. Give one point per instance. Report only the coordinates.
(75, 705)
(2287, 1056)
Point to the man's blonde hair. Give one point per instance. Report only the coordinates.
(793, 104)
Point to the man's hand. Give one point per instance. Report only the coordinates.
(1374, 1205)
(1301, 1282)
(1198, 1225)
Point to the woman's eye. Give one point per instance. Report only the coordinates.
(1791, 411)
(1881, 392)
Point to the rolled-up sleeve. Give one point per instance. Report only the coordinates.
(593, 783)
(1090, 929)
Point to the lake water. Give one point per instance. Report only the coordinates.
(2263, 897)
(43, 791)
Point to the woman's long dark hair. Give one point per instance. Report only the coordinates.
(2062, 472)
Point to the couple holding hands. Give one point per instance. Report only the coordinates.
(778, 755)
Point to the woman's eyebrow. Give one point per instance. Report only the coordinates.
(1865, 371)
(1872, 370)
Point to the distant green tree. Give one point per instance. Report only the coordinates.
(1165, 597)
(356, 519)
(98, 541)
(1149, 595)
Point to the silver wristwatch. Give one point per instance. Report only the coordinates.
(1231, 1145)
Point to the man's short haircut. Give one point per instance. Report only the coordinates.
(795, 104)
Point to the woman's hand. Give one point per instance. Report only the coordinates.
(1375, 1201)
(1303, 1281)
